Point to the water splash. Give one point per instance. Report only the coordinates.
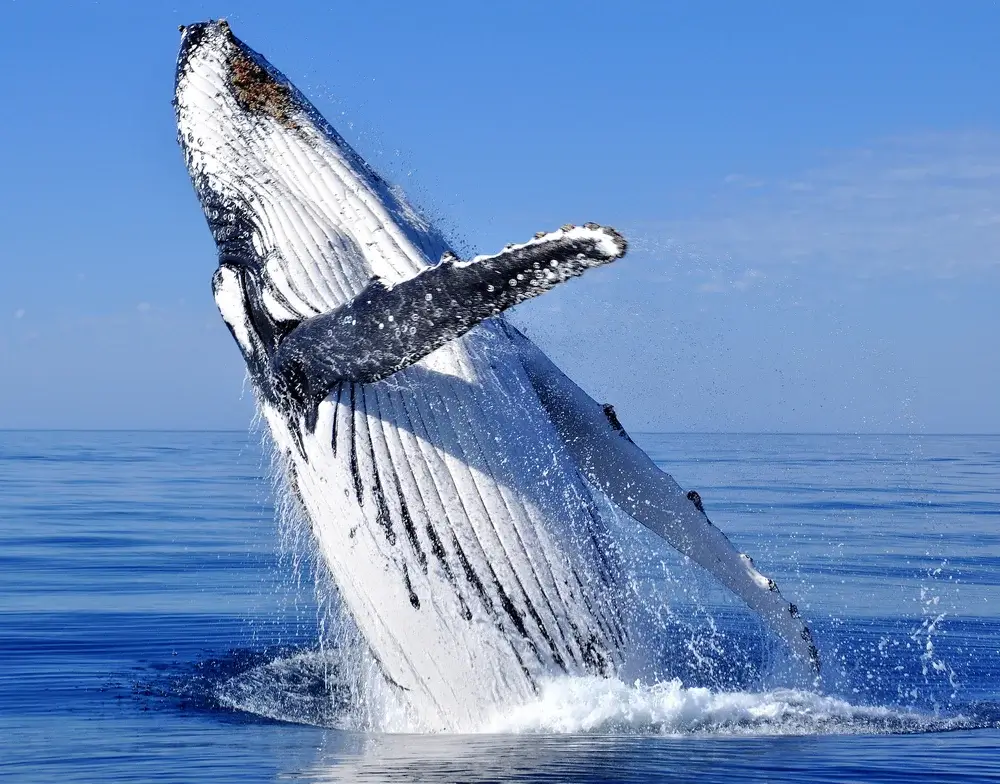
(305, 687)
(714, 671)
(932, 664)
(609, 706)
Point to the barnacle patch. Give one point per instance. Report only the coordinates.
(257, 92)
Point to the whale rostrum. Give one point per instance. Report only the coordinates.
(462, 491)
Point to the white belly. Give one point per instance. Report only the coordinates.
(463, 541)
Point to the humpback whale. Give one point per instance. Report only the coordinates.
(459, 486)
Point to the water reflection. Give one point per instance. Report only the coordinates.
(458, 758)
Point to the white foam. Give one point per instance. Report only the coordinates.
(309, 688)
(609, 706)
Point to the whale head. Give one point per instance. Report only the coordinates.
(289, 203)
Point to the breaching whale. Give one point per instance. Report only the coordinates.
(459, 486)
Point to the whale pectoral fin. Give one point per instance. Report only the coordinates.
(239, 297)
(610, 460)
(386, 328)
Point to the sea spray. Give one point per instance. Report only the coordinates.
(609, 706)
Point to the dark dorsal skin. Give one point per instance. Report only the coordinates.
(385, 329)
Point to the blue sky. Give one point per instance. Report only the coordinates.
(812, 195)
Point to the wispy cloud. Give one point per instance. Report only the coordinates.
(926, 205)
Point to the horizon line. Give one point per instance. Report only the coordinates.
(637, 432)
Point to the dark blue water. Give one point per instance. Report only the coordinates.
(149, 624)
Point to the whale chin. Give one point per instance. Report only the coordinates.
(460, 488)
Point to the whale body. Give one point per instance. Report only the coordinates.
(459, 486)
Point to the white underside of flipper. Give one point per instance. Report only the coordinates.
(629, 478)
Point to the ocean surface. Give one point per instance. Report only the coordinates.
(157, 625)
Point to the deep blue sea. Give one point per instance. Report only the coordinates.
(154, 626)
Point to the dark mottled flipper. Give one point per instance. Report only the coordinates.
(387, 328)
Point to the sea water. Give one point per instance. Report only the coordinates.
(156, 624)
